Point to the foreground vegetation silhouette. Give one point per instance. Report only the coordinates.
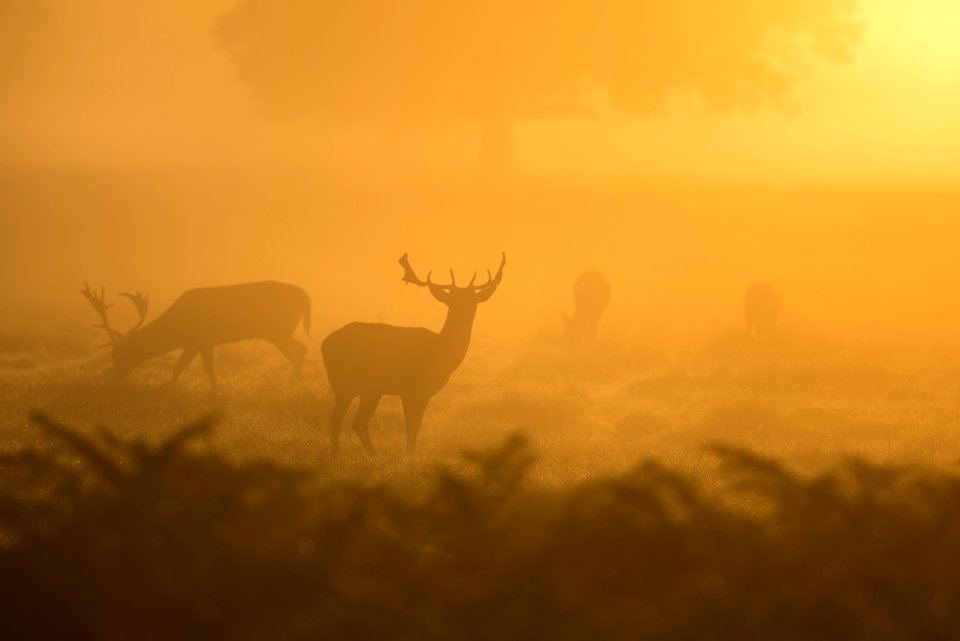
(105, 538)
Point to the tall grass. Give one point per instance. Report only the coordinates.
(116, 538)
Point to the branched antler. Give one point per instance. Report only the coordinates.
(140, 300)
(101, 307)
(492, 282)
(409, 276)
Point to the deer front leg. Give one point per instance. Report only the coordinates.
(341, 403)
(207, 355)
(413, 409)
(361, 420)
(186, 357)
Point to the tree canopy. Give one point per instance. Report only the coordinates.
(411, 61)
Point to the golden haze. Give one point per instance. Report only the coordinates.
(661, 176)
(164, 175)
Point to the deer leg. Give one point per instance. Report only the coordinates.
(361, 420)
(186, 357)
(413, 409)
(206, 354)
(295, 351)
(341, 404)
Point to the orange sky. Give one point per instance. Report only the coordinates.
(142, 83)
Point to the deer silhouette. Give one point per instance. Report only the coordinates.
(591, 295)
(371, 360)
(203, 318)
(761, 307)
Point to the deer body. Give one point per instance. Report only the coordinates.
(398, 361)
(591, 295)
(200, 319)
(371, 360)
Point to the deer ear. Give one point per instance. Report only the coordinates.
(484, 294)
(440, 294)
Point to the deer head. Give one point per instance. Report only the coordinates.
(115, 337)
(452, 295)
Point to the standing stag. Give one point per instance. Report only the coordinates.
(761, 307)
(200, 319)
(370, 360)
(591, 295)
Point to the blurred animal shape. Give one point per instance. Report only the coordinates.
(591, 295)
(761, 307)
(203, 318)
(371, 360)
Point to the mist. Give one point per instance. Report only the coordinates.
(124, 124)
(422, 319)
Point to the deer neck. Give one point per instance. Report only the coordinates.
(455, 335)
(147, 342)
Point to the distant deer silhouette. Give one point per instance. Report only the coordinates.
(591, 295)
(761, 307)
(371, 360)
(203, 318)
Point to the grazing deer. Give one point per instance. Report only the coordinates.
(591, 295)
(370, 360)
(203, 318)
(761, 307)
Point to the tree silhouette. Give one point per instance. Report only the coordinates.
(406, 62)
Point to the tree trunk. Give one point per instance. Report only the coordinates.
(496, 159)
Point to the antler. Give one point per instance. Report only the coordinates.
(101, 308)
(410, 277)
(491, 281)
(140, 300)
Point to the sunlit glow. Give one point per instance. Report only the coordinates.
(706, 222)
(922, 36)
(182, 155)
(122, 87)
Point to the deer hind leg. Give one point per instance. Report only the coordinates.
(361, 420)
(186, 357)
(413, 409)
(206, 354)
(294, 350)
(341, 404)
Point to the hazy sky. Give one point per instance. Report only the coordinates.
(142, 83)
(137, 86)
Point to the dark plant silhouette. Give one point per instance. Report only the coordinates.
(110, 538)
(200, 319)
(761, 308)
(401, 64)
(591, 295)
(370, 360)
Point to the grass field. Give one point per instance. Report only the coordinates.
(721, 488)
(811, 401)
